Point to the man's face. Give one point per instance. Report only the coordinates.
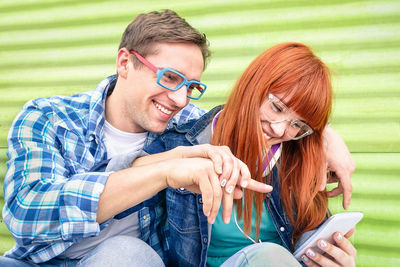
(146, 106)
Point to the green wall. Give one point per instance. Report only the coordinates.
(65, 47)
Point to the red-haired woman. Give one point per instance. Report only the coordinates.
(273, 120)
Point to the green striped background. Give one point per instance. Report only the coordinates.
(65, 47)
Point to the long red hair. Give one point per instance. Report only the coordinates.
(289, 69)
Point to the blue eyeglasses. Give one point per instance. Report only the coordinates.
(172, 80)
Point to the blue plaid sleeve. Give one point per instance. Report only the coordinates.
(48, 194)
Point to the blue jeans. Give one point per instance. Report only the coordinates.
(116, 251)
(262, 254)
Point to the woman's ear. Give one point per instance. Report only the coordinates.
(123, 62)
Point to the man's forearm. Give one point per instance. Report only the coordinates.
(159, 157)
(129, 187)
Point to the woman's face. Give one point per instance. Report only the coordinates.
(283, 128)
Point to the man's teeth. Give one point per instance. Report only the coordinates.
(166, 111)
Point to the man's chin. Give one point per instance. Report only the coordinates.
(157, 128)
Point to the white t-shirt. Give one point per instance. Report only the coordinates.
(117, 143)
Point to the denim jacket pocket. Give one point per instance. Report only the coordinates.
(184, 228)
(182, 210)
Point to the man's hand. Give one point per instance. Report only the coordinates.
(342, 253)
(225, 163)
(233, 173)
(340, 166)
(199, 175)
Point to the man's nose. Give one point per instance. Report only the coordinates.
(179, 97)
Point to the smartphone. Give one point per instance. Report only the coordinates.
(339, 222)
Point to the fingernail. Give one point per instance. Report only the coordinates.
(339, 236)
(244, 184)
(227, 220)
(310, 253)
(219, 171)
(230, 189)
(304, 258)
(223, 182)
(323, 244)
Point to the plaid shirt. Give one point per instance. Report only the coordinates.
(51, 194)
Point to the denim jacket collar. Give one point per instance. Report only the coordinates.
(195, 130)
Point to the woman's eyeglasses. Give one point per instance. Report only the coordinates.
(278, 112)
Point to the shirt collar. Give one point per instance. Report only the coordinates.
(97, 108)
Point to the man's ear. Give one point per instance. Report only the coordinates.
(122, 62)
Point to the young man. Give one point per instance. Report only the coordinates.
(60, 207)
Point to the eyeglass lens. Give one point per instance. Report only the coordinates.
(173, 81)
(278, 112)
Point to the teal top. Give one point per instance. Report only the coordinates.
(227, 239)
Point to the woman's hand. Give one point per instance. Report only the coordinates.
(343, 253)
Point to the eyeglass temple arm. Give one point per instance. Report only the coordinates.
(144, 61)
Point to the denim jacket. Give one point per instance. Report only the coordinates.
(189, 232)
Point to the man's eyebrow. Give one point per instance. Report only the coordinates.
(183, 75)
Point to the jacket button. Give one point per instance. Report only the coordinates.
(282, 229)
(201, 200)
(205, 239)
(182, 189)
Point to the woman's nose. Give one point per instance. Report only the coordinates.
(279, 128)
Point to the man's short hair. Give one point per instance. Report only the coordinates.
(161, 27)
